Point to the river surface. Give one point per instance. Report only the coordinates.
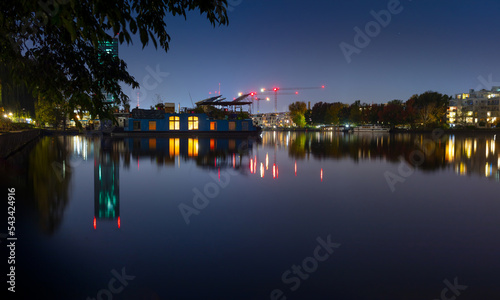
(296, 215)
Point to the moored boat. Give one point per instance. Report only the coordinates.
(154, 122)
(371, 128)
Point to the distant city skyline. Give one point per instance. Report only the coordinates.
(395, 49)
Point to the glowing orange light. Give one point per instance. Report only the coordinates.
(251, 165)
(274, 171)
(321, 174)
(234, 161)
(119, 222)
(295, 168)
(261, 170)
(95, 223)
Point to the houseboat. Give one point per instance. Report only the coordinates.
(157, 122)
(371, 128)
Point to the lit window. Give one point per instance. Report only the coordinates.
(213, 126)
(232, 125)
(192, 123)
(212, 144)
(174, 123)
(152, 125)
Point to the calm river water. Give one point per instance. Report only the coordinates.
(295, 215)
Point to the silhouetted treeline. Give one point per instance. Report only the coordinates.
(424, 110)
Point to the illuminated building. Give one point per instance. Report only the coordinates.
(110, 48)
(273, 120)
(479, 108)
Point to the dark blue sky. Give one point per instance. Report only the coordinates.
(445, 46)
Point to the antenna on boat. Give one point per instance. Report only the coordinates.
(191, 99)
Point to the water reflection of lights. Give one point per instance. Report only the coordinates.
(488, 170)
(80, 147)
(450, 149)
(468, 148)
(275, 171)
(296, 167)
(267, 161)
(461, 169)
(262, 171)
(321, 174)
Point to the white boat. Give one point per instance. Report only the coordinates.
(371, 128)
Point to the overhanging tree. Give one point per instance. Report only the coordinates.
(53, 46)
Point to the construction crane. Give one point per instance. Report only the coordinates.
(258, 102)
(276, 90)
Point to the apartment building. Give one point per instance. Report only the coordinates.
(273, 120)
(478, 108)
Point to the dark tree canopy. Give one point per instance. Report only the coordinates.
(53, 44)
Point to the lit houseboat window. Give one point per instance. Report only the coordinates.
(213, 126)
(193, 123)
(152, 125)
(174, 123)
(232, 125)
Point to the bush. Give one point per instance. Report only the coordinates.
(5, 124)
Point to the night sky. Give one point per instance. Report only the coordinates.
(444, 46)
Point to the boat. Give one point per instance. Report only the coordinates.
(371, 128)
(157, 123)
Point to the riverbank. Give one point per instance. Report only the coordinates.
(13, 141)
(10, 142)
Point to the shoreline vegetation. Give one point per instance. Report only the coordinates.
(395, 130)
